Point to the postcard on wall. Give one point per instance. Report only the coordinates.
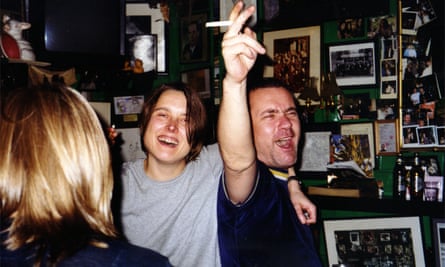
(315, 154)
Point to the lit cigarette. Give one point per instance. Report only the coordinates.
(218, 23)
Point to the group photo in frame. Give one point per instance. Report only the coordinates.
(193, 39)
(294, 51)
(354, 64)
(395, 241)
(141, 19)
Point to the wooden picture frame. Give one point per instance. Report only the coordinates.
(157, 27)
(364, 241)
(439, 241)
(297, 41)
(386, 137)
(198, 79)
(194, 41)
(354, 64)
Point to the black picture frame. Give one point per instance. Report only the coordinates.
(354, 63)
(193, 27)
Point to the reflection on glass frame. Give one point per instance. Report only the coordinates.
(386, 137)
(367, 242)
(354, 64)
(439, 241)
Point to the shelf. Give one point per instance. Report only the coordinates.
(386, 205)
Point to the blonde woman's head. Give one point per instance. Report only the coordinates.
(55, 170)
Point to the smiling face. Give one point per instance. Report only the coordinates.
(276, 127)
(165, 138)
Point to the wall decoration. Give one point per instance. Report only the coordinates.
(364, 128)
(439, 241)
(354, 64)
(386, 137)
(199, 80)
(141, 19)
(350, 28)
(393, 241)
(294, 51)
(194, 41)
(315, 155)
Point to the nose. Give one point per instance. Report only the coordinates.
(172, 125)
(285, 122)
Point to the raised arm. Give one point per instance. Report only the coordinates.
(240, 49)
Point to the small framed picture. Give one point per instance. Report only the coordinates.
(386, 137)
(194, 41)
(393, 241)
(427, 135)
(410, 137)
(441, 135)
(199, 80)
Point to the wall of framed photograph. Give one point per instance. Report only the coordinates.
(287, 48)
(421, 88)
(395, 241)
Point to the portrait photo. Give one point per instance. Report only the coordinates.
(193, 39)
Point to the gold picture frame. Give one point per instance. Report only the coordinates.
(386, 137)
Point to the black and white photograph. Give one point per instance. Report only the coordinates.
(353, 64)
(439, 241)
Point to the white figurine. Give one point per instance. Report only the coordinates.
(15, 28)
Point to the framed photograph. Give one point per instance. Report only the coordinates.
(295, 51)
(386, 109)
(386, 137)
(194, 41)
(393, 241)
(141, 19)
(427, 135)
(388, 88)
(433, 190)
(439, 241)
(199, 80)
(354, 64)
(356, 104)
(410, 137)
(365, 128)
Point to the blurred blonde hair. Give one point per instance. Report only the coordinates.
(55, 171)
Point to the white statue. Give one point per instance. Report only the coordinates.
(15, 28)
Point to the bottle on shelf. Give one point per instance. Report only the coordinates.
(399, 179)
(417, 179)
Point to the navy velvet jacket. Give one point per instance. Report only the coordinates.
(118, 253)
(265, 231)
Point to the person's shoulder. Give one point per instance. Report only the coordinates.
(117, 253)
(132, 255)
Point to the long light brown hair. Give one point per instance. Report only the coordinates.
(55, 171)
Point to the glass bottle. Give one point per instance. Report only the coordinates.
(399, 182)
(417, 178)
